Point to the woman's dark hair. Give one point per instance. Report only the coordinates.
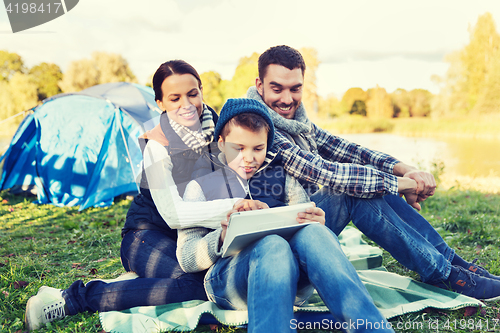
(168, 68)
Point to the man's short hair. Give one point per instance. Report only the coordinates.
(250, 121)
(280, 55)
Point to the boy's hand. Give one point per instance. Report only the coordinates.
(246, 204)
(313, 214)
(240, 206)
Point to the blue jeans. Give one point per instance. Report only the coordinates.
(394, 225)
(150, 254)
(265, 278)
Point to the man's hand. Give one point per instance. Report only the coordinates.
(312, 214)
(408, 188)
(426, 184)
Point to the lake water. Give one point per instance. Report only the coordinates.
(472, 160)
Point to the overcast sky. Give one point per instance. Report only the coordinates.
(395, 44)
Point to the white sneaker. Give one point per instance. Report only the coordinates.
(46, 306)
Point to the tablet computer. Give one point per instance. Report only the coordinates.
(247, 227)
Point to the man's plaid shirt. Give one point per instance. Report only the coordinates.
(339, 165)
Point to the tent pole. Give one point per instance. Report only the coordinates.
(14, 116)
(126, 147)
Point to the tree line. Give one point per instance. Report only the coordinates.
(23, 88)
(469, 88)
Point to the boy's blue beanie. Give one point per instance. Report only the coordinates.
(236, 106)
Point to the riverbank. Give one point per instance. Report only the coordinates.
(471, 127)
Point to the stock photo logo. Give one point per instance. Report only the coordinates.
(26, 14)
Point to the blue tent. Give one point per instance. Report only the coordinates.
(81, 149)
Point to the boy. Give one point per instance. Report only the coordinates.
(270, 273)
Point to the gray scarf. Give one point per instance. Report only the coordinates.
(196, 140)
(298, 130)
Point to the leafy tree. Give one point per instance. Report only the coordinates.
(112, 68)
(17, 95)
(329, 106)
(350, 97)
(80, 75)
(10, 63)
(379, 103)
(401, 103)
(358, 108)
(489, 100)
(310, 95)
(212, 93)
(101, 68)
(420, 102)
(7, 107)
(46, 76)
(472, 81)
(479, 56)
(23, 90)
(244, 77)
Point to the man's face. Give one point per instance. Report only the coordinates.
(281, 89)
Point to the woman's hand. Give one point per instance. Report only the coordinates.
(224, 224)
(312, 214)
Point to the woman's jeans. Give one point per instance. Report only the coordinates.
(265, 277)
(150, 254)
(394, 225)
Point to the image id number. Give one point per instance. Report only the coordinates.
(33, 8)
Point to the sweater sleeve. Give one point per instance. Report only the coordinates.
(294, 192)
(334, 148)
(174, 211)
(342, 177)
(197, 248)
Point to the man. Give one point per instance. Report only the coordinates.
(369, 196)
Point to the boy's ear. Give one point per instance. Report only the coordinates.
(220, 144)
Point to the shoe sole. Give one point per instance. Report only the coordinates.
(492, 299)
(27, 319)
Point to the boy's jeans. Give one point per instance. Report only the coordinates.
(394, 225)
(265, 278)
(150, 254)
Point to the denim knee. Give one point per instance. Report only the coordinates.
(275, 259)
(316, 234)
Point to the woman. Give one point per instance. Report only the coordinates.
(149, 243)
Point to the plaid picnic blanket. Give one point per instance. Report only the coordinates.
(393, 295)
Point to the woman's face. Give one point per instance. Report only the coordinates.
(182, 99)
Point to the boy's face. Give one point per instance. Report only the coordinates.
(281, 89)
(245, 150)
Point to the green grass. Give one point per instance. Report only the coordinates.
(47, 245)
